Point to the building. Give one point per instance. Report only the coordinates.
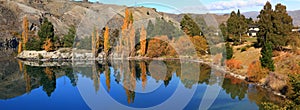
(252, 30)
(296, 29)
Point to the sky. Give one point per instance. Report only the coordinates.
(204, 6)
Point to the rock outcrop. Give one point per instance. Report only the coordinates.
(63, 54)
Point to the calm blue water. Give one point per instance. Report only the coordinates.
(127, 85)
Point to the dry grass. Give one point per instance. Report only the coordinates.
(277, 82)
(287, 63)
(246, 57)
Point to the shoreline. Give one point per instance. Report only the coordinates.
(214, 66)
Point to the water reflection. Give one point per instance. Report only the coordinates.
(130, 82)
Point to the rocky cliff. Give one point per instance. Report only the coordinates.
(63, 14)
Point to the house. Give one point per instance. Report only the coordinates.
(296, 29)
(252, 30)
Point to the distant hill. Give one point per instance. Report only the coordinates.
(294, 14)
(296, 17)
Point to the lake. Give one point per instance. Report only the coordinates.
(151, 84)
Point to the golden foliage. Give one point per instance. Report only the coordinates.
(159, 48)
(128, 34)
(127, 20)
(25, 32)
(234, 64)
(48, 45)
(106, 40)
(200, 44)
(20, 65)
(143, 35)
(20, 47)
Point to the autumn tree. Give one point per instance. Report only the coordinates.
(106, 40)
(200, 44)
(143, 35)
(48, 45)
(24, 38)
(125, 42)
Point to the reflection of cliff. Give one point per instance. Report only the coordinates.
(12, 83)
(18, 82)
(259, 95)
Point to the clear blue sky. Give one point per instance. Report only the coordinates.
(203, 6)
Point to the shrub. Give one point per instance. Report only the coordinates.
(243, 49)
(33, 44)
(200, 44)
(295, 83)
(216, 50)
(234, 64)
(255, 72)
(40, 56)
(269, 106)
(69, 38)
(229, 51)
(158, 48)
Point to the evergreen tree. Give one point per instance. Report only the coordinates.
(223, 29)
(229, 51)
(69, 38)
(237, 25)
(242, 25)
(266, 57)
(46, 33)
(275, 26)
(189, 26)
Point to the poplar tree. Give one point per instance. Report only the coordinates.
(106, 40)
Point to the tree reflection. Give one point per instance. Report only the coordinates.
(45, 76)
(130, 74)
(235, 87)
(48, 81)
